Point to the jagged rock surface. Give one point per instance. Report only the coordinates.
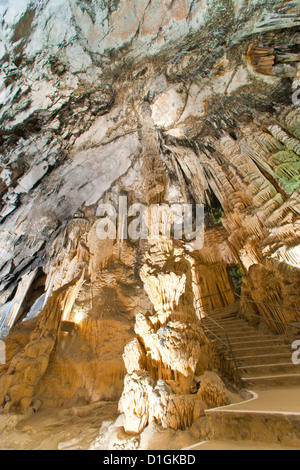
(174, 102)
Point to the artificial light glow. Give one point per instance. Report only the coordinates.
(79, 317)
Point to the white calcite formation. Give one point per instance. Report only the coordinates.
(160, 102)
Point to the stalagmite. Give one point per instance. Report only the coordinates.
(149, 190)
(18, 384)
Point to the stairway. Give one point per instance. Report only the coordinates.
(263, 359)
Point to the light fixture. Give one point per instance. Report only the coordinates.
(79, 317)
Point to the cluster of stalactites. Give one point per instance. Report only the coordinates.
(153, 169)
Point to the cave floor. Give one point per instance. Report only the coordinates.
(273, 403)
(231, 445)
(76, 428)
(53, 429)
(273, 400)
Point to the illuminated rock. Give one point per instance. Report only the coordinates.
(161, 102)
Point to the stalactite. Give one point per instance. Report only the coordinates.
(290, 142)
(18, 384)
(155, 105)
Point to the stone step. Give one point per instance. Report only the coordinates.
(263, 358)
(234, 337)
(231, 308)
(242, 352)
(226, 320)
(225, 316)
(269, 369)
(243, 341)
(225, 313)
(246, 339)
(272, 380)
(245, 336)
(222, 315)
(228, 323)
(235, 329)
(256, 342)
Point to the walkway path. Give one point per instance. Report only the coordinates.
(270, 420)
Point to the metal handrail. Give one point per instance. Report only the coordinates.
(228, 346)
(247, 300)
(213, 295)
(269, 305)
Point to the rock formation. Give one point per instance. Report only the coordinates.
(112, 113)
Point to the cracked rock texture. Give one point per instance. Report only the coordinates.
(164, 102)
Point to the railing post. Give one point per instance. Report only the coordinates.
(278, 322)
(228, 346)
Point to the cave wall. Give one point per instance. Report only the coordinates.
(180, 102)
